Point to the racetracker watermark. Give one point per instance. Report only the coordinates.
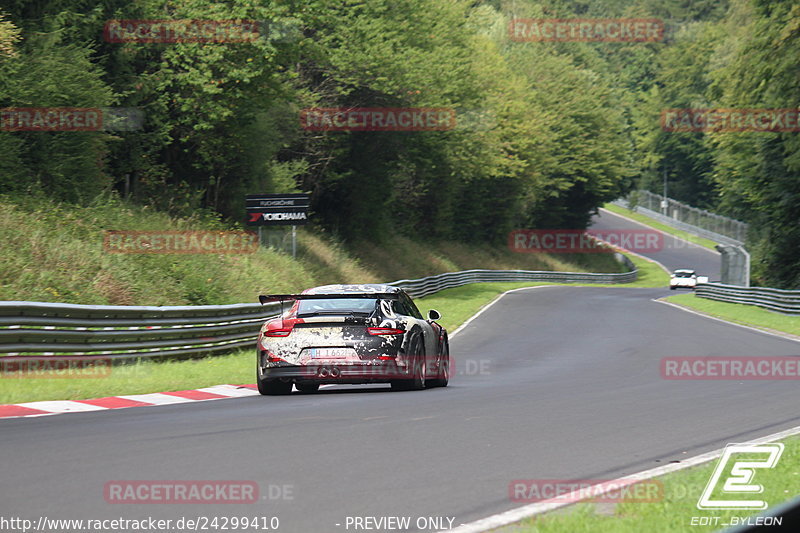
(731, 119)
(572, 241)
(199, 31)
(54, 119)
(378, 119)
(585, 30)
(389, 368)
(180, 242)
(182, 492)
(731, 368)
(55, 366)
(590, 490)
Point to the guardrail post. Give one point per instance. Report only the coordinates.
(735, 267)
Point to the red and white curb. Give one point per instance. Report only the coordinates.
(58, 407)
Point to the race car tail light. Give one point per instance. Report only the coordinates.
(280, 327)
(279, 332)
(271, 357)
(385, 331)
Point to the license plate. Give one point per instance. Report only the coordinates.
(331, 353)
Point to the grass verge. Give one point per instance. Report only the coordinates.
(61, 256)
(749, 315)
(675, 511)
(638, 217)
(650, 273)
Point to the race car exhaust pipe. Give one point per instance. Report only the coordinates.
(335, 372)
(323, 372)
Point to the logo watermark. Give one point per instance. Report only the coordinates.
(180, 242)
(586, 30)
(570, 241)
(55, 366)
(199, 31)
(350, 366)
(327, 366)
(731, 119)
(57, 119)
(398, 523)
(192, 492)
(736, 476)
(590, 490)
(748, 521)
(475, 119)
(730, 368)
(148, 523)
(378, 119)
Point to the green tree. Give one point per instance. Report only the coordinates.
(759, 172)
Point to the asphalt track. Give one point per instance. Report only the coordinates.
(670, 251)
(551, 383)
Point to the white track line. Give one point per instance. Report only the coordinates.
(787, 336)
(527, 511)
(487, 306)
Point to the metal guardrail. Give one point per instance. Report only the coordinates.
(50, 329)
(712, 223)
(38, 328)
(773, 299)
(432, 284)
(677, 224)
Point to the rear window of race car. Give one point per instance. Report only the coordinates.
(343, 305)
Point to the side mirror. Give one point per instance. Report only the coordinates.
(433, 314)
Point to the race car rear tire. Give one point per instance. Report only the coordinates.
(443, 377)
(417, 380)
(272, 387)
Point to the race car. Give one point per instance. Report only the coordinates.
(351, 334)
(683, 278)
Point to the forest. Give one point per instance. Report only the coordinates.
(544, 132)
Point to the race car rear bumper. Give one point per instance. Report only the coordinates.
(378, 372)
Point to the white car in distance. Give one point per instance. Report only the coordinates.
(682, 278)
